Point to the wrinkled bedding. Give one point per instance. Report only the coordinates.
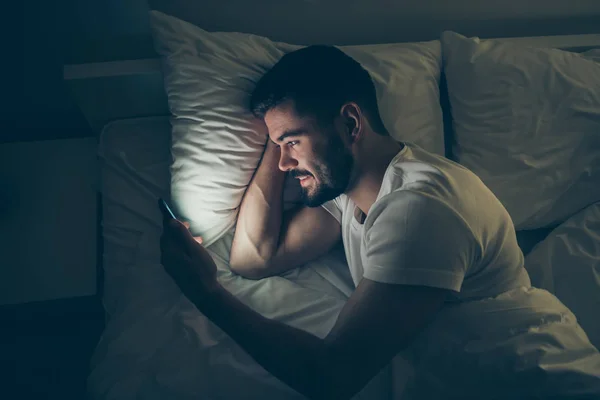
(567, 263)
(158, 346)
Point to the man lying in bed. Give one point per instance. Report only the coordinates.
(433, 254)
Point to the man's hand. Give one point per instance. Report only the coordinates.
(187, 261)
(196, 238)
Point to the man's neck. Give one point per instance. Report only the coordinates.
(368, 185)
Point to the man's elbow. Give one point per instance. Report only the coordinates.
(248, 269)
(249, 261)
(249, 273)
(339, 389)
(332, 385)
(337, 376)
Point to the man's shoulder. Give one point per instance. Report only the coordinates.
(409, 199)
(338, 202)
(406, 206)
(336, 206)
(423, 178)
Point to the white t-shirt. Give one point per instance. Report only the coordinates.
(434, 223)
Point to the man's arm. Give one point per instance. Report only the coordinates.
(268, 241)
(377, 322)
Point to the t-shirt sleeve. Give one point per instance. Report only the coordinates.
(334, 208)
(414, 239)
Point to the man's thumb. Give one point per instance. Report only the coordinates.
(196, 238)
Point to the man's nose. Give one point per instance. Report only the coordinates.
(285, 161)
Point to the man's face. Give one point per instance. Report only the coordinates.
(311, 152)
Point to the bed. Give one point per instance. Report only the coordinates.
(156, 345)
(154, 334)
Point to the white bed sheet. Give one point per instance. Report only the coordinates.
(156, 345)
(567, 263)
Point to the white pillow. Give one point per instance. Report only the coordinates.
(593, 54)
(527, 121)
(217, 143)
(567, 264)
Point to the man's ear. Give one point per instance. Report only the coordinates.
(353, 121)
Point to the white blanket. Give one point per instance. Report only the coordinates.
(567, 263)
(156, 344)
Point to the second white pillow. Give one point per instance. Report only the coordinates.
(527, 121)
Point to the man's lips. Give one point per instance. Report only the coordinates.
(304, 179)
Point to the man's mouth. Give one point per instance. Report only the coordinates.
(304, 179)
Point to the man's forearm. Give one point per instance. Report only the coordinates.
(294, 356)
(259, 219)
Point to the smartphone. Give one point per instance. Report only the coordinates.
(166, 206)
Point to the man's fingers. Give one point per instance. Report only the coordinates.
(176, 225)
(174, 231)
(177, 235)
(180, 231)
(196, 238)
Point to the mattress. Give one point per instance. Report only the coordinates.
(156, 345)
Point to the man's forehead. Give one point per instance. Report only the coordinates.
(283, 122)
(282, 114)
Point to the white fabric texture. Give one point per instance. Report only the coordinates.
(527, 121)
(434, 223)
(523, 344)
(593, 54)
(428, 227)
(567, 263)
(217, 143)
(156, 345)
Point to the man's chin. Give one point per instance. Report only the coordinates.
(317, 200)
(313, 204)
(310, 200)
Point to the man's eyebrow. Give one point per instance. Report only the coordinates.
(292, 132)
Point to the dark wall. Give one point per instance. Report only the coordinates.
(43, 35)
(39, 37)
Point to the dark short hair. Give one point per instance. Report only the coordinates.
(319, 80)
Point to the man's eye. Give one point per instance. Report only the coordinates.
(292, 143)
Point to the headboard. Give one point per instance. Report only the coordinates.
(127, 88)
(352, 22)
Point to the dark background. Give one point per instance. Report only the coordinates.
(45, 347)
(39, 37)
